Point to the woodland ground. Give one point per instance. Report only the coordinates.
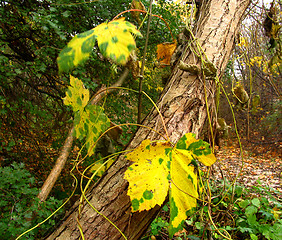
(261, 161)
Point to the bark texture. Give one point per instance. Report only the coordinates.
(183, 105)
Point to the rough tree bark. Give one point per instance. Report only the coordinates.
(183, 105)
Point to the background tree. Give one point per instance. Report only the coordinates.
(256, 66)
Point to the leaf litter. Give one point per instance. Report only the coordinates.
(266, 167)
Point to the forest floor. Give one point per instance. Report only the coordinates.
(256, 162)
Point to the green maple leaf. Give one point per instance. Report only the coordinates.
(114, 38)
(159, 168)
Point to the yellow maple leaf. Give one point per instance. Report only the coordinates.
(158, 167)
(89, 120)
(147, 176)
(114, 40)
(77, 95)
(183, 191)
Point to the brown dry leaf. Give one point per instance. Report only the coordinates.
(164, 53)
(180, 232)
(133, 65)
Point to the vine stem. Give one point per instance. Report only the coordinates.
(112, 155)
(153, 15)
(151, 100)
(141, 76)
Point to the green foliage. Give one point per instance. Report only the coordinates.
(157, 225)
(246, 213)
(273, 121)
(20, 208)
(255, 104)
(32, 35)
(159, 168)
(259, 216)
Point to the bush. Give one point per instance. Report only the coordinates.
(245, 213)
(249, 213)
(20, 208)
(259, 216)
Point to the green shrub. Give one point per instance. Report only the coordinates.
(259, 216)
(20, 208)
(272, 122)
(249, 213)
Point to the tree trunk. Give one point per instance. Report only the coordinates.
(183, 105)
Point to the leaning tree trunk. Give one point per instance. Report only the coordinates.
(183, 105)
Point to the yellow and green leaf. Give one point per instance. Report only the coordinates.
(114, 40)
(90, 124)
(183, 188)
(200, 149)
(89, 120)
(77, 51)
(159, 168)
(76, 96)
(148, 175)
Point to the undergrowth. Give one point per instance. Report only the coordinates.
(19, 205)
(253, 213)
